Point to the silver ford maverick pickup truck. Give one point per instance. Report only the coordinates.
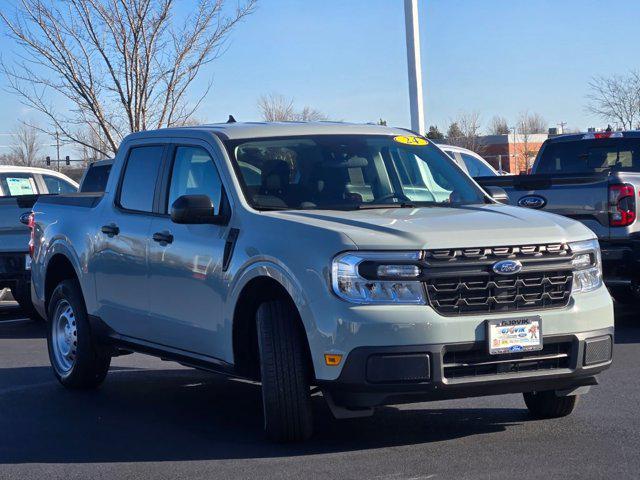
(354, 260)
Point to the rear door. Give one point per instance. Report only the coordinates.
(122, 238)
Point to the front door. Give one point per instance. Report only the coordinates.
(186, 283)
(122, 240)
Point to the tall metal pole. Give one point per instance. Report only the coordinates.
(413, 65)
(58, 149)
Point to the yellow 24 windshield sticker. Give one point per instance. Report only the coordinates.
(410, 140)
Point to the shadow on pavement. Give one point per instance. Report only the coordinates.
(158, 415)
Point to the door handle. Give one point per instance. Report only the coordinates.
(163, 237)
(111, 229)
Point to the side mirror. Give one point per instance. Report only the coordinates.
(194, 209)
(498, 194)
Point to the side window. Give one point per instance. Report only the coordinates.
(475, 167)
(58, 185)
(96, 179)
(16, 184)
(194, 174)
(139, 181)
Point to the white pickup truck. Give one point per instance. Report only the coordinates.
(19, 189)
(354, 258)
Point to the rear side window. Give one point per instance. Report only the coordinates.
(194, 174)
(16, 184)
(590, 156)
(57, 185)
(475, 167)
(139, 180)
(96, 178)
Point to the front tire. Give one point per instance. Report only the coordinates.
(77, 361)
(285, 374)
(549, 405)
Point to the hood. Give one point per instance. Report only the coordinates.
(442, 227)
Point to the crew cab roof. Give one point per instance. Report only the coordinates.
(242, 130)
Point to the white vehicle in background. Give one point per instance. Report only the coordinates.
(19, 190)
(470, 161)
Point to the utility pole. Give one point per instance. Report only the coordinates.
(562, 125)
(413, 66)
(58, 148)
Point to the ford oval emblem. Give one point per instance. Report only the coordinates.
(532, 201)
(507, 267)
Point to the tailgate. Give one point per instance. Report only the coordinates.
(14, 236)
(581, 197)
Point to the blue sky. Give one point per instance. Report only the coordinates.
(347, 58)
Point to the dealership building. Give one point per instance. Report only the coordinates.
(513, 153)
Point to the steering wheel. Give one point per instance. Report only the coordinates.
(389, 196)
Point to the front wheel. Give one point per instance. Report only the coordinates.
(549, 405)
(285, 374)
(77, 360)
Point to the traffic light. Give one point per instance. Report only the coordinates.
(67, 160)
(48, 161)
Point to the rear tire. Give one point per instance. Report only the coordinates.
(548, 405)
(285, 374)
(77, 360)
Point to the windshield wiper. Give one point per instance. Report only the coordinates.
(372, 206)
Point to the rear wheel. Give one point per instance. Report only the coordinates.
(77, 360)
(549, 405)
(285, 374)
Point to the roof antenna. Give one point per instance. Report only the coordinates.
(231, 119)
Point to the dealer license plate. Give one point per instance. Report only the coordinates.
(513, 335)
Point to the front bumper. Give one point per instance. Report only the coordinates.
(444, 371)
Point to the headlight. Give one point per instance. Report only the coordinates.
(587, 266)
(378, 277)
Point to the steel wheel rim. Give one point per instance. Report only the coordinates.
(64, 336)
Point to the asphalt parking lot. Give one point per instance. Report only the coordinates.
(154, 419)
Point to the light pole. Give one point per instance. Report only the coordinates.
(413, 66)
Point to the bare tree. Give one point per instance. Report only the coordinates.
(464, 132)
(616, 99)
(278, 108)
(122, 65)
(498, 126)
(530, 123)
(26, 146)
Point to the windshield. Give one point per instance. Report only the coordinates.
(348, 172)
(590, 156)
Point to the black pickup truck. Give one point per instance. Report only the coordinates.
(593, 178)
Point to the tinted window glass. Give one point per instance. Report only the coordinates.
(347, 172)
(194, 174)
(57, 185)
(16, 184)
(96, 178)
(476, 167)
(590, 156)
(139, 182)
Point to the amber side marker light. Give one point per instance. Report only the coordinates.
(332, 359)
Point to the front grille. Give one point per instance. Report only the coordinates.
(462, 281)
(477, 362)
